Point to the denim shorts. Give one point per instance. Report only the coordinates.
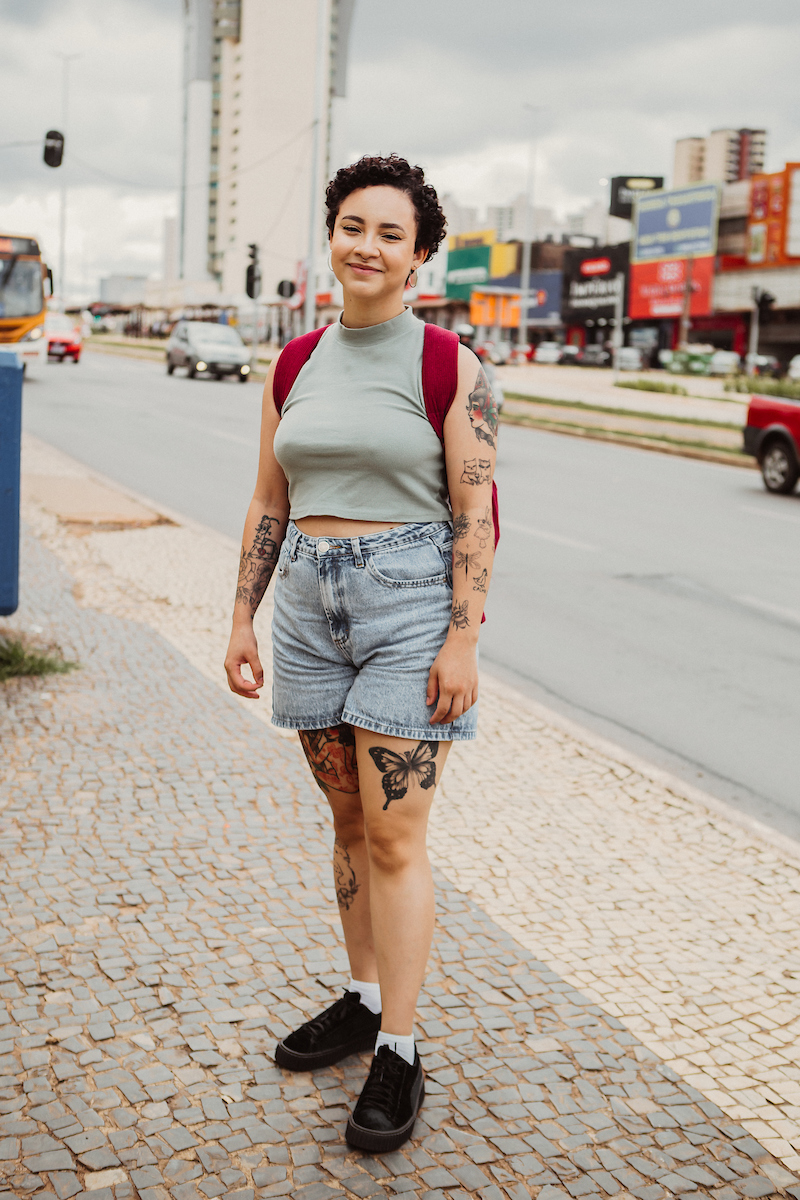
(356, 627)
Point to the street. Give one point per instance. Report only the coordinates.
(654, 599)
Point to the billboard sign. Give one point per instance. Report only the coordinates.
(467, 268)
(493, 306)
(658, 289)
(626, 188)
(591, 283)
(675, 224)
(773, 225)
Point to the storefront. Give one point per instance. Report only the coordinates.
(592, 280)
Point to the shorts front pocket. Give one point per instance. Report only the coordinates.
(420, 564)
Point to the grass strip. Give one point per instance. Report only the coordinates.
(18, 657)
(579, 405)
(594, 430)
(652, 385)
(786, 389)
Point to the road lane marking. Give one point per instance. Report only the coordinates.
(765, 512)
(546, 536)
(774, 610)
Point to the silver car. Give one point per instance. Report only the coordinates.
(204, 348)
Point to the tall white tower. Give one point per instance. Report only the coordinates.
(196, 165)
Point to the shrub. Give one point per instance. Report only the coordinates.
(653, 385)
(19, 657)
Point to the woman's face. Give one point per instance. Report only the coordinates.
(372, 244)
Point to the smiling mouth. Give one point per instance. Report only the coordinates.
(363, 267)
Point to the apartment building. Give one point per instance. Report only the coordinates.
(725, 156)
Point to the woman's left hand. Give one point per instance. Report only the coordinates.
(453, 679)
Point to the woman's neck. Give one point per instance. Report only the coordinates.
(359, 314)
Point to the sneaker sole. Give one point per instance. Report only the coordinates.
(383, 1141)
(291, 1060)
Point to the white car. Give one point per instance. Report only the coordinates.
(548, 352)
(724, 362)
(793, 370)
(629, 358)
(206, 348)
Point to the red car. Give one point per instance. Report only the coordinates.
(772, 435)
(64, 339)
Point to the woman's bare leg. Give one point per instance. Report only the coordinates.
(331, 754)
(397, 778)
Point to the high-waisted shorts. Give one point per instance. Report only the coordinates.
(357, 625)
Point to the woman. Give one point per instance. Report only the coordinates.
(383, 542)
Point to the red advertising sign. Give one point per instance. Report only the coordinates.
(595, 266)
(657, 289)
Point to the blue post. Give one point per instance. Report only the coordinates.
(10, 445)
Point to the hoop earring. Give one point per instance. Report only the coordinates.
(416, 279)
(330, 261)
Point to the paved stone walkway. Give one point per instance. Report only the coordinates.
(167, 914)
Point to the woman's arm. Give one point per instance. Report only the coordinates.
(470, 444)
(264, 530)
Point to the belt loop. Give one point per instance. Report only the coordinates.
(357, 555)
(294, 542)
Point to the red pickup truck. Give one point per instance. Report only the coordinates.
(772, 435)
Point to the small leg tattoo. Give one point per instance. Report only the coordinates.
(399, 770)
(344, 877)
(331, 754)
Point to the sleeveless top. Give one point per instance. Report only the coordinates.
(354, 439)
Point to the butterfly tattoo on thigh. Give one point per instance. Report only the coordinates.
(400, 770)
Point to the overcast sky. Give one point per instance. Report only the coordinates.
(613, 85)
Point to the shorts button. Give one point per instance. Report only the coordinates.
(323, 546)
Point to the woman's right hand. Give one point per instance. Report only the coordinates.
(243, 648)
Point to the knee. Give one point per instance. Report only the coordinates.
(348, 824)
(390, 852)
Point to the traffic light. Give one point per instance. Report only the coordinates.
(53, 148)
(253, 284)
(765, 301)
(286, 289)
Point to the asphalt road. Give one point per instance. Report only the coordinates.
(654, 599)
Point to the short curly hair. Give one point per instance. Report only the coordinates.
(397, 172)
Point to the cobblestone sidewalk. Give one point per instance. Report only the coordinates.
(169, 914)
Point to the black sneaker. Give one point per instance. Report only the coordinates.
(388, 1105)
(345, 1028)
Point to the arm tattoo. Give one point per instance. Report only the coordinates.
(477, 471)
(482, 410)
(469, 561)
(479, 581)
(484, 528)
(461, 525)
(458, 617)
(344, 877)
(257, 564)
(331, 754)
(400, 770)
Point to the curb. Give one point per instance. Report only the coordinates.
(634, 440)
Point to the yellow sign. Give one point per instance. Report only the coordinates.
(480, 237)
(493, 311)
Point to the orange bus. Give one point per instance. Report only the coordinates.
(23, 298)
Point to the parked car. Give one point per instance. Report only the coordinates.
(763, 364)
(793, 370)
(64, 336)
(724, 362)
(772, 435)
(204, 348)
(594, 355)
(630, 358)
(569, 354)
(548, 352)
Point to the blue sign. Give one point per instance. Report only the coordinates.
(545, 294)
(676, 224)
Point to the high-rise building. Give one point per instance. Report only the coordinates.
(249, 85)
(725, 156)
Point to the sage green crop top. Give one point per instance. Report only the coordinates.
(354, 439)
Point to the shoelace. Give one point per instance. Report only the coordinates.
(382, 1089)
(333, 1015)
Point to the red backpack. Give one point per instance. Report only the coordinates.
(439, 380)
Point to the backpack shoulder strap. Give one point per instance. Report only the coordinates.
(439, 374)
(439, 386)
(294, 356)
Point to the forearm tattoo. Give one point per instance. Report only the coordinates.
(476, 471)
(407, 767)
(344, 876)
(331, 754)
(257, 564)
(461, 524)
(469, 561)
(484, 528)
(482, 410)
(479, 581)
(458, 617)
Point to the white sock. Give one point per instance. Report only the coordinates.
(370, 993)
(402, 1044)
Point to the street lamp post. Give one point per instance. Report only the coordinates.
(320, 80)
(62, 220)
(529, 233)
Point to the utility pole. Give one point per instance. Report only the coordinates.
(762, 302)
(619, 315)
(685, 323)
(529, 233)
(62, 221)
(320, 98)
(253, 289)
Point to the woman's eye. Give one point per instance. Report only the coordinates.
(351, 229)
